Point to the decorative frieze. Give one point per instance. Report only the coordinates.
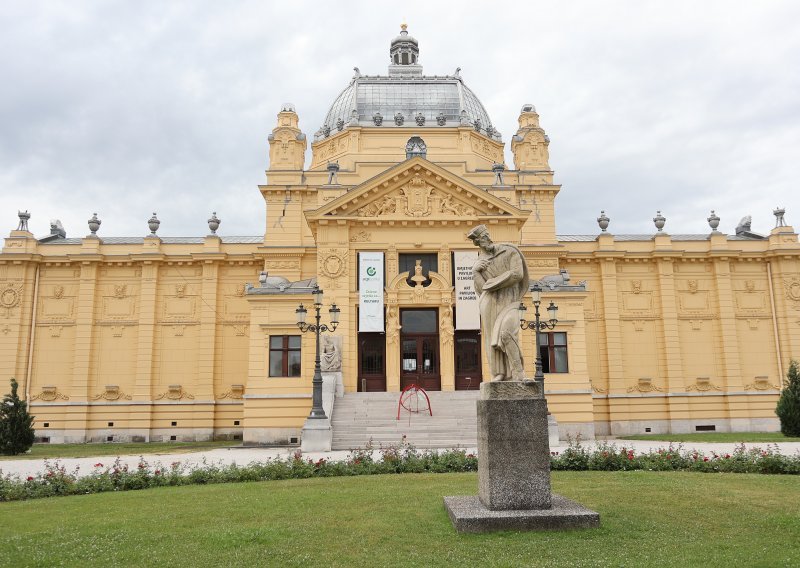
(174, 392)
(645, 385)
(112, 393)
(49, 394)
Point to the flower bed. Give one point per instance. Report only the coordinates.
(56, 480)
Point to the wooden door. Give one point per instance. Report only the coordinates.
(371, 362)
(468, 369)
(419, 349)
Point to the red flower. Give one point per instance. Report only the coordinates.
(157, 472)
(141, 466)
(30, 478)
(705, 458)
(98, 465)
(727, 456)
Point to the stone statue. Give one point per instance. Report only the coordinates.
(501, 281)
(331, 355)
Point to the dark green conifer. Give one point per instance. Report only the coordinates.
(16, 424)
(788, 409)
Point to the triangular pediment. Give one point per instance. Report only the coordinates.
(417, 189)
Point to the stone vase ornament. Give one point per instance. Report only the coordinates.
(377, 119)
(713, 221)
(399, 119)
(339, 124)
(94, 225)
(420, 119)
(441, 119)
(603, 220)
(153, 223)
(659, 221)
(213, 223)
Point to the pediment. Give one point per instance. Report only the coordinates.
(417, 190)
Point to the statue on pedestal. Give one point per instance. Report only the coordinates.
(501, 281)
(331, 355)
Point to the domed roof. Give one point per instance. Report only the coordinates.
(406, 97)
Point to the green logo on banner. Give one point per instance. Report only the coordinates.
(371, 271)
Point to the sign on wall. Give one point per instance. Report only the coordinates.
(370, 291)
(467, 314)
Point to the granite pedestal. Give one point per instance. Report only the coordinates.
(514, 467)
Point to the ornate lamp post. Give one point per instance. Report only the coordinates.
(538, 325)
(316, 399)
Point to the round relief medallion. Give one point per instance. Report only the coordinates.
(333, 265)
(9, 298)
(793, 290)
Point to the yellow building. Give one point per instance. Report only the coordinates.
(165, 338)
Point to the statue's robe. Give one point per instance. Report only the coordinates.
(501, 287)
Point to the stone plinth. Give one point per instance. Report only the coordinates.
(470, 516)
(514, 467)
(513, 449)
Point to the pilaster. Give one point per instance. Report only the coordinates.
(141, 415)
(674, 379)
(208, 331)
(82, 350)
(613, 332)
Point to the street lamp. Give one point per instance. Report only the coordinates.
(538, 325)
(316, 398)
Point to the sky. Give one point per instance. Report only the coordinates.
(126, 108)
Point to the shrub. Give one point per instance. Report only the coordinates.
(16, 424)
(788, 408)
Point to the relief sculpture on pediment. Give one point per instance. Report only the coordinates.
(417, 199)
(417, 196)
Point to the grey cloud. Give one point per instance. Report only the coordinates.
(126, 108)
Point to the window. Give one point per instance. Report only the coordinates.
(553, 350)
(408, 262)
(284, 356)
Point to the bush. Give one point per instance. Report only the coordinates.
(788, 408)
(16, 424)
(56, 480)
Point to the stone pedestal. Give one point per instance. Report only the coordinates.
(514, 467)
(513, 449)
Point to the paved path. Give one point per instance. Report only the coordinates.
(243, 456)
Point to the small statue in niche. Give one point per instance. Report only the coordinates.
(418, 279)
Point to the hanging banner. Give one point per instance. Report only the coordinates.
(370, 291)
(467, 313)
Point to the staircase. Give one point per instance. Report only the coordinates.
(361, 417)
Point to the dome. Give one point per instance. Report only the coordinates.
(406, 97)
(435, 98)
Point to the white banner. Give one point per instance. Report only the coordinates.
(370, 291)
(467, 313)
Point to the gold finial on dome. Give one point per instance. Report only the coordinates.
(404, 26)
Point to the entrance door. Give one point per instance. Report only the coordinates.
(371, 362)
(419, 349)
(469, 372)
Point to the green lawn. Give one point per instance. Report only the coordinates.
(41, 451)
(648, 519)
(735, 437)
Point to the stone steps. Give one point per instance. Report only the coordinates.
(362, 418)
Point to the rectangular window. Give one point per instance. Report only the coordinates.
(284, 355)
(553, 350)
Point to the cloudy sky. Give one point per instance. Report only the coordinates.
(126, 108)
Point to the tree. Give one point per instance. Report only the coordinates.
(16, 424)
(788, 409)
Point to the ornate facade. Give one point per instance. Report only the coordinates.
(175, 338)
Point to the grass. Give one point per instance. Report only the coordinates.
(733, 437)
(648, 519)
(42, 451)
